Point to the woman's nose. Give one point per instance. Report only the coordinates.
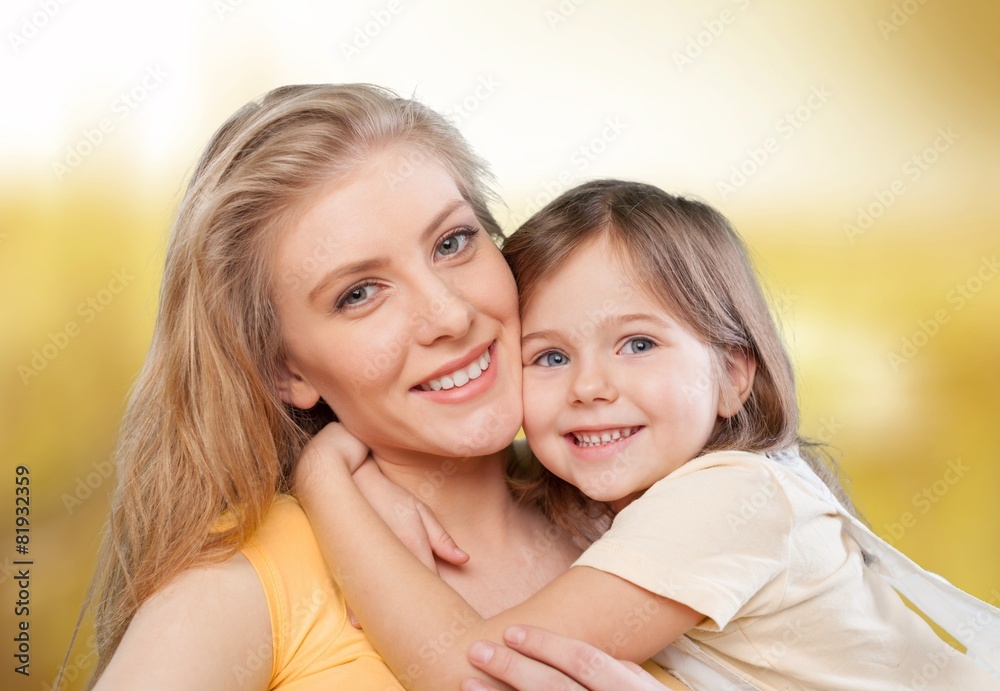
(442, 313)
(592, 383)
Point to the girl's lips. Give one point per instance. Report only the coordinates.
(603, 435)
(603, 450)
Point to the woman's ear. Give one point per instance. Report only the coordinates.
(293, 388)
(740, 367)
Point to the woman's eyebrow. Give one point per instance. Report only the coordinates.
(341, 271)
(373, 264)
(443, 215)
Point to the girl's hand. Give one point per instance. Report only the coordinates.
(535, 658)
(410, 519)
(332, 445)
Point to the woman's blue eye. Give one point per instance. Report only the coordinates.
(357, 295)
(456, 242)
(552, 359)
(637, 346)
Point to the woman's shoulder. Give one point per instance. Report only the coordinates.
(206, 618)
(286, 557)
(312, 639)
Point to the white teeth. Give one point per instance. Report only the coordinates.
(598, 439)
(459, 378)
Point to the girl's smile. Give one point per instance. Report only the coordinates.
(617, 392)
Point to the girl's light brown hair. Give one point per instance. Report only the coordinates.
(205, 433)
(686, 255)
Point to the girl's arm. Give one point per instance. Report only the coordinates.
(422, 627)
(197, 633)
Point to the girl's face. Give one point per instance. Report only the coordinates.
(617, 393)
(398, 309)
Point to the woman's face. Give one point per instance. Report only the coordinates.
(398, 309)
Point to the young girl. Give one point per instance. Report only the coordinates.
(655, 381)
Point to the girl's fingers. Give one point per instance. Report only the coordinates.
(441, 542)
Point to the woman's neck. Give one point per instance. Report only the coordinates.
(513, 548)
(469, 496)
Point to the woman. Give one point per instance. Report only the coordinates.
(307, 210)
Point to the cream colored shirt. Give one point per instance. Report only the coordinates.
(787, 599)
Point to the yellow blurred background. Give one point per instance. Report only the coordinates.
(854, 144)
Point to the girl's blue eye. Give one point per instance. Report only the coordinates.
(456, 242)
(638, 346)
(553, 358)
(357, 295)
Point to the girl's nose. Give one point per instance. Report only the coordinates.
(591, 384)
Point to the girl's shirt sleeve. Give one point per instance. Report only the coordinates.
(713, 535)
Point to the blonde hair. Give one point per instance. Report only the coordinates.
(205, 434)
(686, 255)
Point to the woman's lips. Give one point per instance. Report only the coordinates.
(461, 376)
(472, 386)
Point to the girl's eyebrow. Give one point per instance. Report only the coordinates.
(601, 321)
(547, 335)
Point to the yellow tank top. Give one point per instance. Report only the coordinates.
(314, 644)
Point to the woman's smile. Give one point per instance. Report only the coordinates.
(462, 383)
(408, 326)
